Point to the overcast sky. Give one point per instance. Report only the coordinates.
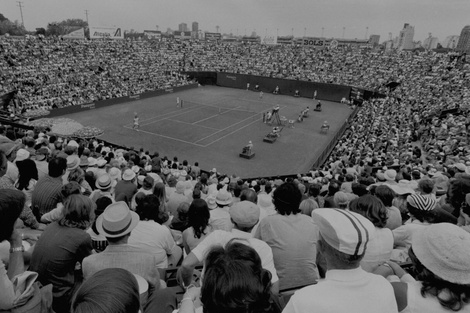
(439, 17)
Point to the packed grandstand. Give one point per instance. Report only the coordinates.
(403, 162)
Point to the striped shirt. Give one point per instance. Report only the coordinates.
(46, 194)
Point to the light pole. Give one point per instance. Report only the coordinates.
(20, 4)
(86, 14)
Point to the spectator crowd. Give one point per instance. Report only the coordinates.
(79, 215)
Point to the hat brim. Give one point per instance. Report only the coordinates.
(223, 202)
(134, 222)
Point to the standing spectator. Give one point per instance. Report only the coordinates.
(62, 245)
(46, 194)
(293, 238)
(347, 287)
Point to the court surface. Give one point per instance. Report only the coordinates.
(215, 123)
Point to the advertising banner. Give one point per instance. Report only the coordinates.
(313, 42)
(153, 34)
(269, 40)
(106, 32)
(182, 35)
(213, 36)
(76, 34)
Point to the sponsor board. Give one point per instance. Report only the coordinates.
(213, 36)
(153, 34)
(182, 35)
(88, 106)
(106, 32)
(76, 34)
(269, 40)
(135, 97)
(234, 78)
(313, 42)
(169, 90)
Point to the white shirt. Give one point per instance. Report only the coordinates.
(153, 238)
(354, 291)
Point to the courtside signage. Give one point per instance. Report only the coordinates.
(106, 32)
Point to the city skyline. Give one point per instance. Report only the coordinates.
(333, 18)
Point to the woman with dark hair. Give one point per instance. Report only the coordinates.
(292, 237)
(422, 214)
(62, 245)
(78, 175)
(440, 255)
(386, 195)
(27, 178)
(153, 237)
(11, 205)
(159, 190)
(99, 240)
(198, 225)
(234, 282)
(380, 246)
(110, 290)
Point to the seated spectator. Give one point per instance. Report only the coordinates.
(422, 215)
(343, 241)
(116, 224)
(464, 218)
(292, 237)
(152, 237)
(99, 240)
(11, 205)
(379, 248)
(57, 213)
(61, 246)
(386, 195)
(109, 290)
(245, 215)
(440, 255)
(198, 225)
(234, 281)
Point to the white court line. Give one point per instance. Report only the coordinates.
(172, 138)
(177, 121)
(232, 132)
(204, 119)
(160, 118)
(229, 127)
(170, 114)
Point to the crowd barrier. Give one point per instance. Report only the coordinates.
(104, 103)
(306, 89)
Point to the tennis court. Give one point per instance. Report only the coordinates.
(215, 123)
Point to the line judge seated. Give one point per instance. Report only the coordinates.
(248, 148)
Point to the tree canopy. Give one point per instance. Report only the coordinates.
(64, 27)
(9, 27)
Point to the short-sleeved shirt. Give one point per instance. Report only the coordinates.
(153, 238)
(221, 238)
(55, 255)
(345, 291)
(46, 194)
(293, 240)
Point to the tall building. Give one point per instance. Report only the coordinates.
(430, 42)
(405, 39)
(195, 27)
(374, 40)
(450, 42)
(183, 27)
(464, 40)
